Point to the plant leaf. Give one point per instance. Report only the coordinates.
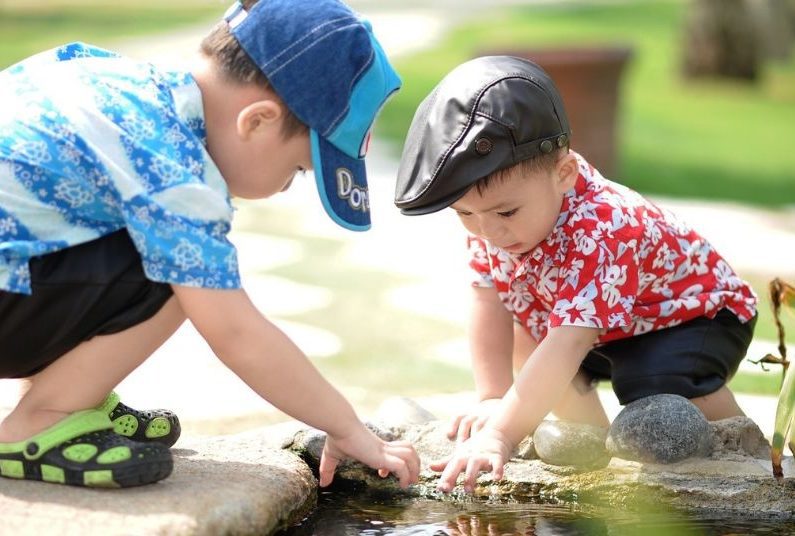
(784, 417)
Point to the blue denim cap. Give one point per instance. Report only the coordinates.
(324, 62)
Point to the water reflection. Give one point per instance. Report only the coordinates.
(354, 514)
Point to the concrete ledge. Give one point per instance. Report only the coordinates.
(224, 485)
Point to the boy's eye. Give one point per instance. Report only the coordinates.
(462, 213)
(508, 213)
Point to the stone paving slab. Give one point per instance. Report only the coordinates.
(231, 485)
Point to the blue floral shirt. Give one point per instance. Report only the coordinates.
(91, 143)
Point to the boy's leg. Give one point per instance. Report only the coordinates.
(580, 403)
(695, 360)
(83, 377)
(718, 405)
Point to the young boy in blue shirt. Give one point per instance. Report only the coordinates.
(577, 278)
(115, 186)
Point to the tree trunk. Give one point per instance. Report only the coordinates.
(775, 27)
(722, 40)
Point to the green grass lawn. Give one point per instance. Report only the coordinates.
(30, 27)
(707, 139)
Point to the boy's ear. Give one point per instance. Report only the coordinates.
(567, 171)
(258, 117)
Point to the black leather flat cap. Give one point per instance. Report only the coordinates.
(487, 114)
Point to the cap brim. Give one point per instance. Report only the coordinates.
(342, 184)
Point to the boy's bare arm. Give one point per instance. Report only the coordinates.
(491, 344)
(537, 389)
(271, 364)
(543, 380)
(490, 336)
(265, 358)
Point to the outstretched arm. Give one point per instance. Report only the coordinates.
(539, 386)
(273, 366)
(490, 342)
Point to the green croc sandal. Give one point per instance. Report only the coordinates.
(83, 450)
(159, 425)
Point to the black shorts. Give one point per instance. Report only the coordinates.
(95, 288)
(692, 359)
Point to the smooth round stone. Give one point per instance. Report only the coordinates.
(660, 429)
(572, 444)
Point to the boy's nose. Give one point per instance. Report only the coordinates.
(491, 230)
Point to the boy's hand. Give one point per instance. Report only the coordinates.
(396, 457)
(487, 450)
(466, 424)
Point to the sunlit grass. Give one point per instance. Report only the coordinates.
(385, 350)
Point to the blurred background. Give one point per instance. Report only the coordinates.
(691, 102)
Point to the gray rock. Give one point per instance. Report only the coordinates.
(226, 485)
(744, 486)
(526, 450)
(660, 429)
(572, 444)
(308, 444)
(738, 437)
(399, 411)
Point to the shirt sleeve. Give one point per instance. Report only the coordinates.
(179, 249)
(597, 283)
(479, 262)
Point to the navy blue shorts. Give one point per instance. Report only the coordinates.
(692, 359)
(95, 288)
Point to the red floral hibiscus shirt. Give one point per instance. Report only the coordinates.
(614, 261)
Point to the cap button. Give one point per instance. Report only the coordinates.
(562, 140)
(546, 146)
(483, 146)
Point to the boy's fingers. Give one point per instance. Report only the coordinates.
(472, 472)
(479, 424)
(497, 466)
(464, 428)
(413, 463)
(404, 451)
(453, 430)
(439, 465)
(399, 468)
(450, 474)
(383, 473)
(328, 464)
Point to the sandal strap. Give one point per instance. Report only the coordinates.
(109, 403)
(75, 425)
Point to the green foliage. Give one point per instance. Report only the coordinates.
(783, 297)
(697, 139)
(30, 27)
(785, 417)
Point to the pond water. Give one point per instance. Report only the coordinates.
(349, 513)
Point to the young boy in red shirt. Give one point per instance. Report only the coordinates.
(578, 278)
